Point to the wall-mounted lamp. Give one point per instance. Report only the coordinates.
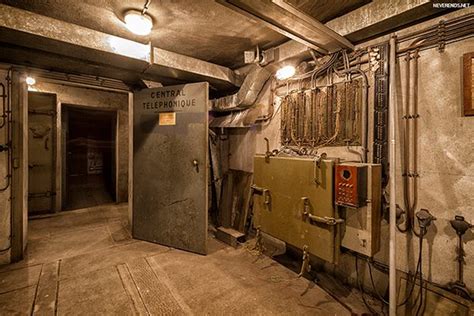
(138, 23)
(30, 81)
(285, 72)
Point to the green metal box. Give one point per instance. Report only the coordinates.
(293, 202)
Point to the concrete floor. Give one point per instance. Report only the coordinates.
(87, 191)
(85, 262)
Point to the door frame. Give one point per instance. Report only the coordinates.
(19, 181)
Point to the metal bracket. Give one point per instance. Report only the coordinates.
(305, 266)
(317, 166)
(331, 221)
(259, 241)
(268, 153)
(441, 36)
(266, 195)
(267, 198)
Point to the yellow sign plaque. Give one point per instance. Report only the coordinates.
(167, 118)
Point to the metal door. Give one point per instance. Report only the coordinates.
(41, 152)
(170, 166)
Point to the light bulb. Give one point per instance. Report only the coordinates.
(30, 81)
(138, 23)
(285, 72)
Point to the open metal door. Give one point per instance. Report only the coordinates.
(41, 152)
(170, 154)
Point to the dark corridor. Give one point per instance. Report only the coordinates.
(90, 157)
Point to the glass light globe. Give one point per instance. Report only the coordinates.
(138, 23)
(285, 72)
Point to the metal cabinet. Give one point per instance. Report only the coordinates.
(293, 201)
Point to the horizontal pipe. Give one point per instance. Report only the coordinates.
(434, 27)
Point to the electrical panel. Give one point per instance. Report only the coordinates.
(351, 185)
(359, 202)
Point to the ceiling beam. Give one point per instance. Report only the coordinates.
(291, 22)
(380, 17)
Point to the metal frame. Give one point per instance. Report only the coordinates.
(468, 91)
(19, 188)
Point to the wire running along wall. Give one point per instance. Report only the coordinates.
(327, 116)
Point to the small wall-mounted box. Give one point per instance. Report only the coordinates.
(351, 185)
(360, 205)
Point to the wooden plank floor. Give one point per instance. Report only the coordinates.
(84, 262)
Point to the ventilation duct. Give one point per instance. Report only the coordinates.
(247, 94)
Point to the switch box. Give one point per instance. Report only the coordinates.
(351, 185)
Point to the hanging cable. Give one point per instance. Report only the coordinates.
(362, 291)
(422, 233)
(373, 284)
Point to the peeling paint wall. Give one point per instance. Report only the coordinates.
(445, 160)
(94, 99)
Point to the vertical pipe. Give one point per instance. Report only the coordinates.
(130, 160)
(393, 211)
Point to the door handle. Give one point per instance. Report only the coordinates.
(196, 164)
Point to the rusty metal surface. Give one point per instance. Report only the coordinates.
(41, 152)
(170, 166)
(280, 211)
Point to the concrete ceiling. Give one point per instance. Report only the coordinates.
(198, 28)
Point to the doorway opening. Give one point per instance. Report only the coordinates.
(89, 157)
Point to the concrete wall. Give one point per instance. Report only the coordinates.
(93, 99)
(446, 164)
(5, 207)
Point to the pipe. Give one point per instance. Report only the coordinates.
(247, 94)
(414, 118)
(4, 102)
(406, 146)
(393, 209)
(449, 23)
(432, 39)
(7, 125)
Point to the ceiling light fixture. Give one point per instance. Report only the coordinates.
(285, 72)
(30, 81)
(139, 22)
